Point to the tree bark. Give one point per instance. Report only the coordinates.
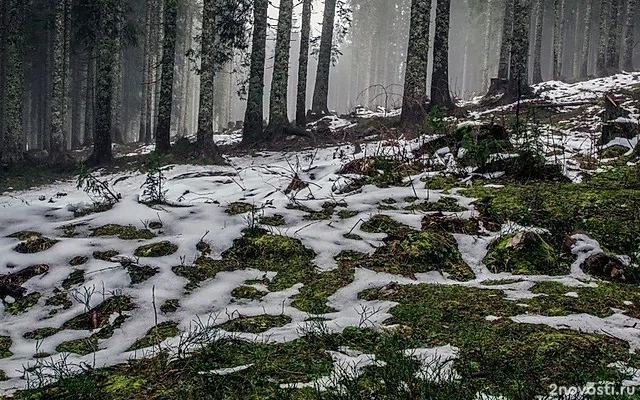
(12, 81)
(278, 119)
(440, 93)
(320, 105)
(415, 82)
(163, 130)
(105, 69)
(507, 37)
(585, 44)
(303, 64)
(537, 51)
(487, 38)
(58, 146)
(629, 37)
(601, 60)
(205, 142)
(254, 114)
(613, 43)
(558, 38)
(146, 75)
(518, 85)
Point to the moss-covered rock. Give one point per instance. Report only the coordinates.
(257, 324)
(608, 267)
(526, 253)
(346, 214)
(156, 335)
(159, 249)
(123, 232)
(416, 252)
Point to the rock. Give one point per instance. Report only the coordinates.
(606, 266)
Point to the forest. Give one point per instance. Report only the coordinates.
(319, 199)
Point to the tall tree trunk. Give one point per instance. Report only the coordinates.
(321, 90)
(12, 80)
(58, 146)
(90, 97)
(118, 81)
(303, 64)
(586, 42)
(278, 118)
(146, 73)
(105, 71)
(537, 48)
(558, 38)
(629, 37)
(415, 81)
(163, 131)
(254, 114)
(507, 38)
(440, 94)
(575, 70)
(601, 60)
(518, 76)
(206, 145)
(613, 43)
(487, 46)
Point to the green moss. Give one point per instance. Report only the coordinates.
(41, 354)
(25, 235)
(614, 151)
(3, 376)
(248, 292)
(450, 224)
(156, 335)
(346, 214)
(273, 220)
(96, 208)
(140, 273)
(98, 317)
(41, 333)
(78, 260)
(79, 346)
(380, 171)
(35, 244)
(324, 214)
(75, 278)
(352, 236)
(448, 204)
(123, 386)
(440, 182)
(416, 252)
(106, 255)
(237, 208)
(5, 347)
(204, 268)
(604, 206)
(380, 223)
(159, 249)
(170, 306)
(123, 232)
(257, 324)
(526, 253)
(498, 282)
(59, 299)
(22, 304)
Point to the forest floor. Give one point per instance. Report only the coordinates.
(388, 266)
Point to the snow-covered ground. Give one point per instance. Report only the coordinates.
(260, 180)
